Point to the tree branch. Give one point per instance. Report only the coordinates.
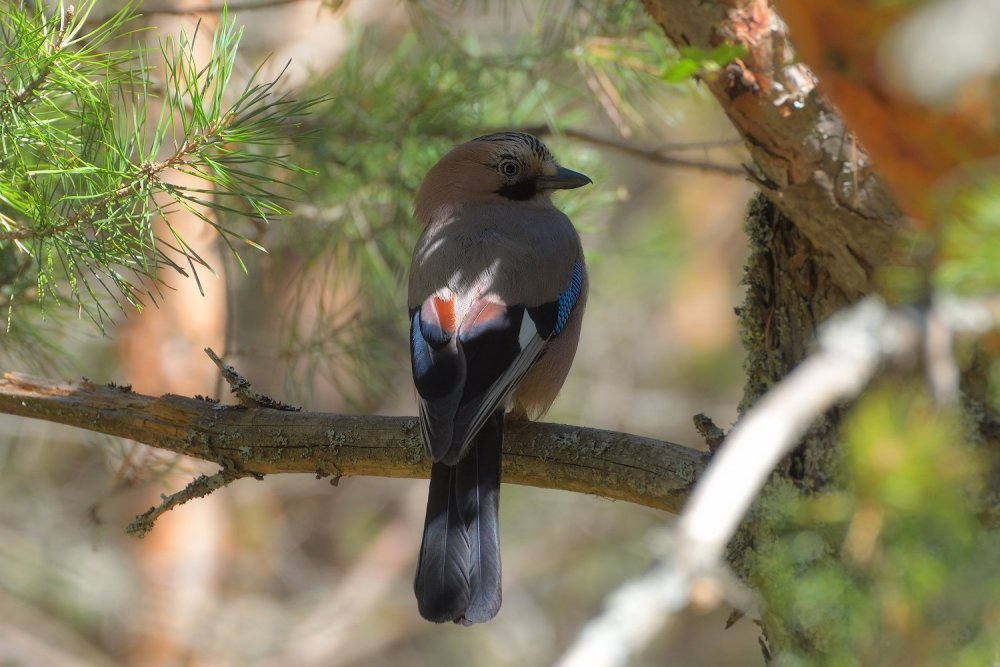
(806, 160)
(259, 441)
(200, 487)
(18, 98)
(660, 155)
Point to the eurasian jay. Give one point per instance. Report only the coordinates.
(496, 297)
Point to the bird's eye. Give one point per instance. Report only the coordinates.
(509, 168)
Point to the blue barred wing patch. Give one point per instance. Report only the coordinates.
(569, 297)
(550, 318)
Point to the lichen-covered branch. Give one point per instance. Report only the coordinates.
(199, 487)
(260, 441)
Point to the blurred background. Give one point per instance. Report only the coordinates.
(290, 570)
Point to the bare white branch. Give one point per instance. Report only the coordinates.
(852, 344)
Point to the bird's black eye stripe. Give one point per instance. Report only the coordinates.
(520, 191)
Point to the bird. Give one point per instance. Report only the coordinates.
(496, 294)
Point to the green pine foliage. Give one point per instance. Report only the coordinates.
(83, 175)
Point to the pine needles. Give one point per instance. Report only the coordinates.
(84, 174)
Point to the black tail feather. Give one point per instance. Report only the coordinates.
(458, 574)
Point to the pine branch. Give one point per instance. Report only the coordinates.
(200, 487)
(20, 234)
(85, 169)
(148, 177)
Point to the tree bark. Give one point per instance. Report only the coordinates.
(805, 160)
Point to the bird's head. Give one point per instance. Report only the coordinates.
(507, 166)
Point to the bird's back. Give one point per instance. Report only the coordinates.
(524, 255)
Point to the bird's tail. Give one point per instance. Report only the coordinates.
(458, 574)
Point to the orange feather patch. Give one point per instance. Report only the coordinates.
(444, 309)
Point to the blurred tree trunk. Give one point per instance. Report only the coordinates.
(183, 562)
(824, 222)
(161, 352)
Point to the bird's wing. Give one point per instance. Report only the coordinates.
(465, 370)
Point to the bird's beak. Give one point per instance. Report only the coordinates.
(564, 179)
